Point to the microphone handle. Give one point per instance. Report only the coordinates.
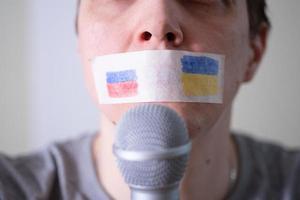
(168, 193)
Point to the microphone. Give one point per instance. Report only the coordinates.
(152, 148)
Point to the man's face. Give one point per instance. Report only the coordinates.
(212, 26)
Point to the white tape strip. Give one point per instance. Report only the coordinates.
(159, 76)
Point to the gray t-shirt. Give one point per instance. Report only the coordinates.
(66, 171)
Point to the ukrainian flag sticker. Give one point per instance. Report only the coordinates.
(199, 75)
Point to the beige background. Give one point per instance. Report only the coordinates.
(42, 94)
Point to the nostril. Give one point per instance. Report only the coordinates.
(146, 36)
(170, 36)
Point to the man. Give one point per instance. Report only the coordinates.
(237, 29)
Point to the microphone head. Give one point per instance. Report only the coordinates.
(151, 128)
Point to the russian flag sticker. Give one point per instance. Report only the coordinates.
(122, 83)
(199, 75)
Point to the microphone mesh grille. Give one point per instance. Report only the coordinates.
(151, 127)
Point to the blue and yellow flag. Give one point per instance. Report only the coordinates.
(199, 75)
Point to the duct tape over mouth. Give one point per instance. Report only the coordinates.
(159, 76)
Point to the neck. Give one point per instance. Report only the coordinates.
(212, 158)
(207, 174)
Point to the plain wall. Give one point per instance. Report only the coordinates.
(43, 97)
(14, 74)
(60, 105)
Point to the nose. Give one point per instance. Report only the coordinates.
(160, 27)
(172, 36)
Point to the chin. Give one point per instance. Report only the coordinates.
(199, 117)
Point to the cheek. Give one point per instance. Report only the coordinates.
(87, 53)
(236, 63)
(95, 40)
(228, 37)
(89, 81)
(100, 37)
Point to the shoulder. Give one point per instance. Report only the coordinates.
(57, 171)
(22, 175)
(268, 169)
